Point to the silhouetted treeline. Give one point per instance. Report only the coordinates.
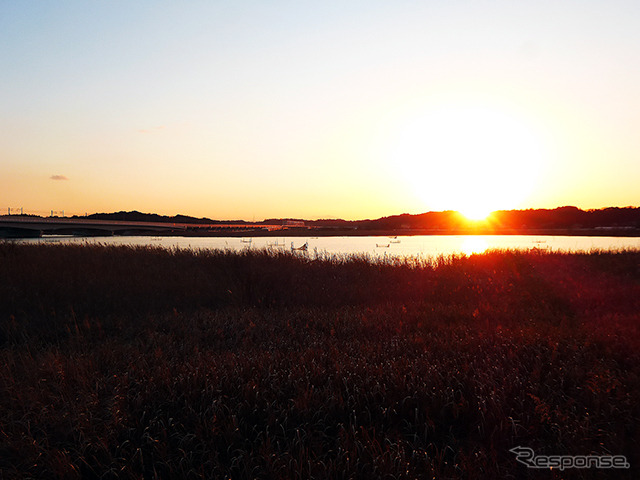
(135, 216)
(567, 218)
(558, 218)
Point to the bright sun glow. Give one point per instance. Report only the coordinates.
(475, 213)
(468, 158)
(474, 244)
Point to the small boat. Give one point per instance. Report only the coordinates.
(382, 245)
(302, 248)
(247, 240)
(395, 240)
(276, 244)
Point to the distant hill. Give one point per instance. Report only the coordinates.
(558, 218)
(573, 218)
(135, 216)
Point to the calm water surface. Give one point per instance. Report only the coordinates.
(417, 246)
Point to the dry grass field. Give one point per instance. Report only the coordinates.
(127, 362)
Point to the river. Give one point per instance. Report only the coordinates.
(417, 246)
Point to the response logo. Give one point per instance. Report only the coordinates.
(527, 457)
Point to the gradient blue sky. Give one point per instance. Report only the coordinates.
(346, 109)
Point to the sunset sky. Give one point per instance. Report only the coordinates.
(350, 109)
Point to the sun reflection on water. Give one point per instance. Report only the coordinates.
(474, 244)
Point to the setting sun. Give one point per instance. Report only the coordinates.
(469, 158)
(473, 213)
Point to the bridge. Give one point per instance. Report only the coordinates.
(22, 226)
(26, 226)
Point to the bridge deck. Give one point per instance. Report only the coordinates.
(13, 225)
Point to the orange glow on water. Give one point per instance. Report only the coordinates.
(474, 244)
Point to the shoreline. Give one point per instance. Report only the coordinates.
(342, 232)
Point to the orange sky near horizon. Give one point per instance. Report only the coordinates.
(337, 110)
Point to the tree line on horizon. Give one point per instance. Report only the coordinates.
(557, 218)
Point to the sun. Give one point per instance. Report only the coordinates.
(475, 212)
(474, 159)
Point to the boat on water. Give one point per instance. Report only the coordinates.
(276, 244)
(301, 248)
(382, 245)
(246, 240)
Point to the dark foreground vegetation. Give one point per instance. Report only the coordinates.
(121, 362)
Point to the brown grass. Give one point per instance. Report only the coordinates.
(128, 362)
